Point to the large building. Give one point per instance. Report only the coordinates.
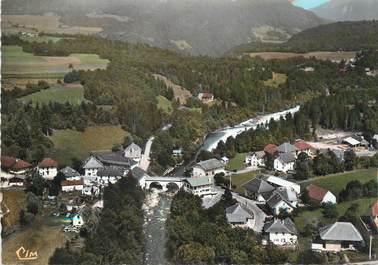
(284, 162)
(258, 189)
(320, 194)
(200, 186)
(281, 232)
(133, 151)
(337, 237)
(208, 168)
(239, 215)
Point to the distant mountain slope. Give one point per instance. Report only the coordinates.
(348, 10)
(197, 26)
(348, 36)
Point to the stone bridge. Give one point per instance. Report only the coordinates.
(164, 182)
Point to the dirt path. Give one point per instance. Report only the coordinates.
(180, 93)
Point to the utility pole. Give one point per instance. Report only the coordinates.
(371, 239)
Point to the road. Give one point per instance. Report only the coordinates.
(145, 160)
(259, 215)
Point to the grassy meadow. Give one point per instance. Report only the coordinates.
(164, 104)
(236, 162)
(276, 80)
(70, 144)
(73, 94)
(19, 64)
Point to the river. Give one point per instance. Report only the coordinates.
(156, 209)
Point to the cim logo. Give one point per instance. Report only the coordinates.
(23, 254)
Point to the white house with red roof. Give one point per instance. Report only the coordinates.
(48, 168)
(303, 147)
(14, 166)
(206, 97)
(320, 194)
(72, 185)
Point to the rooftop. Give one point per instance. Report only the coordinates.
(69, 172)
(258, 185)
(271, 149)
(210, 164)
(238, 213)
(72, 182)
(48, 162)
(197, 182)
(286, 157)
(286, 148)
(92, 162)
(281, 226)
(316, 192)
(340, 231)
(111, 171)
(133, 147)
(302, 145)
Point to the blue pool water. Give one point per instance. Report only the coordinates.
(308, 4)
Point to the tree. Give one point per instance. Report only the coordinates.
(302, 167)
(33, 204)
(38, 184)
(349, 159)
(330, 210)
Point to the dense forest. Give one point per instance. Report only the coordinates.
(340, 36)
(118, 238)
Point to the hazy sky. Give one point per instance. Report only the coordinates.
(307, 4)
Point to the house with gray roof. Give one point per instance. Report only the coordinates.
(70, 173)
(133, 151)
(284, 162)
(208, 168)
(282, 200)
(110, 174)
(337, 237)
(287, 148)
(238, 215)
(281, 232)
(200, 186)
(115, 159)
(258, 189)
(91, 166)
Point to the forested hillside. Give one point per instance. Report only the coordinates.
(126, 94)
(341, 36)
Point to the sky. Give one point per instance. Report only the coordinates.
(308, 4)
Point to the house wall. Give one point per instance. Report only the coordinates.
(280, 239)
(48, 172)
(283, 167)
(201, 191)
(249, 224)
(90, 174)
(254, 162)
(329, 197)
(282, 206)
(72, 188)
(133, 154)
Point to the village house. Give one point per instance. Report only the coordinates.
(208, 168)
(15, 166)
(337, 237)
(280, 182)
(281, 232)
(283, 200)
(287, 148)
(200, 186)
(91, 167)
(90, 191)
(320, 194)
(133, 151)
(258, 189)
(284, 162)
(72, 185)
(303, 147)
(239, 215)
(271, 149)
(205, 97)
(255, 159)
(177, 152)
(70, 173)
(48, 168)
(116, 159)
(109, 174)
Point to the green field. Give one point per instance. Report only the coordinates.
(237, 162)
(308, 217)
(40, 39)
(17, 63)
(60, 94)
(276, 80)
(164, 104)
(70, 143)
(239, 179)
(336, 182)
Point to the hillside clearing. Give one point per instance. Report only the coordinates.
(70, 144)
(19, 64)
(180, 93)
(14, 200)
(277, 79)
(164, 104)
(58, 93)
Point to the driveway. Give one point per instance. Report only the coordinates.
(259, 215)
(145, 160)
